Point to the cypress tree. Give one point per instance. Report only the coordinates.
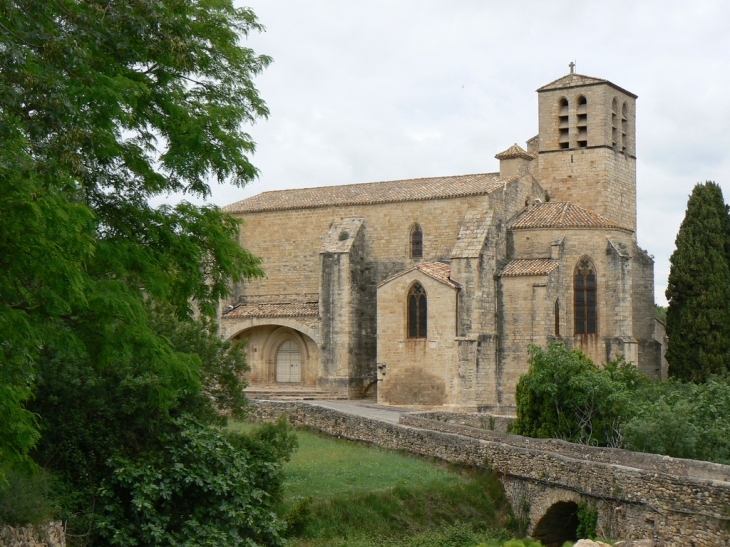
(698, 318)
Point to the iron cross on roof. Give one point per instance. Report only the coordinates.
(571, 64)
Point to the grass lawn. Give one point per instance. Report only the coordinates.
(344, 493)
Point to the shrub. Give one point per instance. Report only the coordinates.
(683, 420)
(566, 396)
(199, 489)
(587, 521)
(24, 498)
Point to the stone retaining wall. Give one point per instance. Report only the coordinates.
(632, 502)
(481, 420)
(462, 424)
(46, 535)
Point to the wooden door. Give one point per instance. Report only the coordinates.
(288, 362)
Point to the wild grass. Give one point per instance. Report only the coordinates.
(339, 492)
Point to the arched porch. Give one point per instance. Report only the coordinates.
(280, 354)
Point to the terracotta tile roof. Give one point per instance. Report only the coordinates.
(371, 193)
(529, 266)
(437, 270)
(577, 80)
(274, 309)
(564, 214)
(514, 151)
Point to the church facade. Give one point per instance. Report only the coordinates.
(428, 292)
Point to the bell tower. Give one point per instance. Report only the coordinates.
(587, 145)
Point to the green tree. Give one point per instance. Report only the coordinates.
(105, 104)
(565, 395)
(683, 420)
(698, 318)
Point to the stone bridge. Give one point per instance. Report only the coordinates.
(675, 502)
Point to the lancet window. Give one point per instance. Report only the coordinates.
(584, 290)
(417, 312)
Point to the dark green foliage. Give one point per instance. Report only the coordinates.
(565, 396)
(198, 489)
(105, 105)
(221, 362)
(299, 516)
(24, 497)
(277, 438)
(660, 312)
(698, 318)
(18, 427)
(587, 521)
(683, 420)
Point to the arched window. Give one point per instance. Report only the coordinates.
(582, 122)
(563, 124)
(584, 291)
(557, 318)
(416, 242)
(417, 312)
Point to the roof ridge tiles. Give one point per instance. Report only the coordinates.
(372, 193)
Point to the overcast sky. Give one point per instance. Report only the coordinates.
(381, 90)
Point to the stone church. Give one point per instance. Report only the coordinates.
(428, 292)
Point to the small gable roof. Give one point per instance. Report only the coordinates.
(529, 266)
(564, 214)
(437, 270)
(372, 193)
(515, 151)
(580, 80)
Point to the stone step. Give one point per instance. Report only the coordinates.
(291, 393)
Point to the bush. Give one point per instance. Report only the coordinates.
(566, 396)
(201, 488)
(683, 420)
(587, 521)
(24, 498)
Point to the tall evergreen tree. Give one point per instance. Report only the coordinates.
(698, 318)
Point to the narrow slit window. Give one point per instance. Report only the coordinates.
(416, 242)
(557, 318)
(585, 303)
(624, 126)
(614, 123)
(417, 312)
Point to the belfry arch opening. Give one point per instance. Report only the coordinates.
(563, 123)
(558, 525)
(582, 122)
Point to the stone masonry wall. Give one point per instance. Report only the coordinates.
(632, 502)
(290, 241)
(599, 177)
(624, 310)
(418, 371)
(46, 535)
